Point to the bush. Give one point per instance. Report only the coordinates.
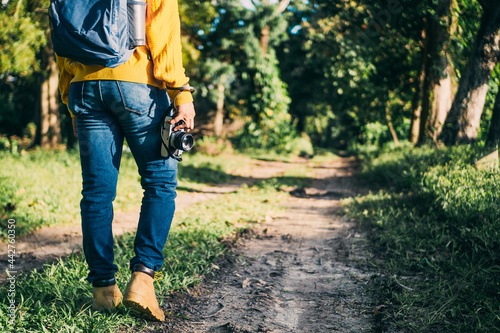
(436, 224)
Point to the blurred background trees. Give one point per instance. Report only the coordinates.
(274, 74)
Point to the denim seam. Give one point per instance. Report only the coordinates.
(82, 103)
(100, 91)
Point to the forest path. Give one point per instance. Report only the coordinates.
(301, 272)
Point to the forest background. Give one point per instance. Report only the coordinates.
(288, 74)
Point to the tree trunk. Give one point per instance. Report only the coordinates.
(443, 99)
(45, 114)
(219, 115)
(436, 81)
(467, 107)
(391, 126)
(444, 74)
(417, 98)
(264, 39)
(493, 138)
(50, 130)
(264, 33)
(55, 124)
(426, 88)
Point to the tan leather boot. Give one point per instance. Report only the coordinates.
(107, 298)
(140, 296)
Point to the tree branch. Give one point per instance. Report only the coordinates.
(282, 5)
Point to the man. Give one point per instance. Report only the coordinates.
(129, 101)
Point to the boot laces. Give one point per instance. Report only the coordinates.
(158, 277)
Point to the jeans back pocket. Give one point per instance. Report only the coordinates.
(75, 98)
(139, 98)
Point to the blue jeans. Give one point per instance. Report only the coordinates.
(107, 112)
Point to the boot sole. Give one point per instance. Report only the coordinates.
(135, 303)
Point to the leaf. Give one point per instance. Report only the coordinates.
(246, 283)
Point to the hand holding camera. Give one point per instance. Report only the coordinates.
(184, 117)
(175, 139)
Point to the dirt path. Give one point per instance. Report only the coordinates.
(301, 272)
(50, 243)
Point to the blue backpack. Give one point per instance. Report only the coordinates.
(93, 32)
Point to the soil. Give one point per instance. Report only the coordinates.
(304, 271)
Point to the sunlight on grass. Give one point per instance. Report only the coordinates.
(43, 187)
(58, 299)
(436, 224)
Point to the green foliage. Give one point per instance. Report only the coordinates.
(18, 96)
(233, 55)
(436, 229)
(20, 40)
(196, 21)
(355, 62)
(271, 124)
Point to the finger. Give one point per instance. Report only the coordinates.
(176, 119)
(181, 125)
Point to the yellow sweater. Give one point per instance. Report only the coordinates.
(162, 69)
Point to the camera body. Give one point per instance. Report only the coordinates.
(174, 143)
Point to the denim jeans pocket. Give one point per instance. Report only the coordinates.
(137, 97)
(75, 98)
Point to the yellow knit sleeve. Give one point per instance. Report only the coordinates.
(163, 34)
(64, 80)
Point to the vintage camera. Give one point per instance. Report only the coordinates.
(174, 143)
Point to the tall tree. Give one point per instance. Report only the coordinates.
(467, 107)
(265, 30)
(342, 59)
(435, 85)
(24, 53)
(235, 43)
(50, 125)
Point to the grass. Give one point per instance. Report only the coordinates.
(435, 226)
(41, 188)
(58, 299)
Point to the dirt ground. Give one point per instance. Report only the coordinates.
(303, 271)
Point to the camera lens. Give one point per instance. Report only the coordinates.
(182, 141)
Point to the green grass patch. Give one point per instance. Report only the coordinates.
(197, 170)
(39, 188)
(436, 230)
(296, 176)
(58, 299)
(43, 187)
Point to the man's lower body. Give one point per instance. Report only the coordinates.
(107, 113)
